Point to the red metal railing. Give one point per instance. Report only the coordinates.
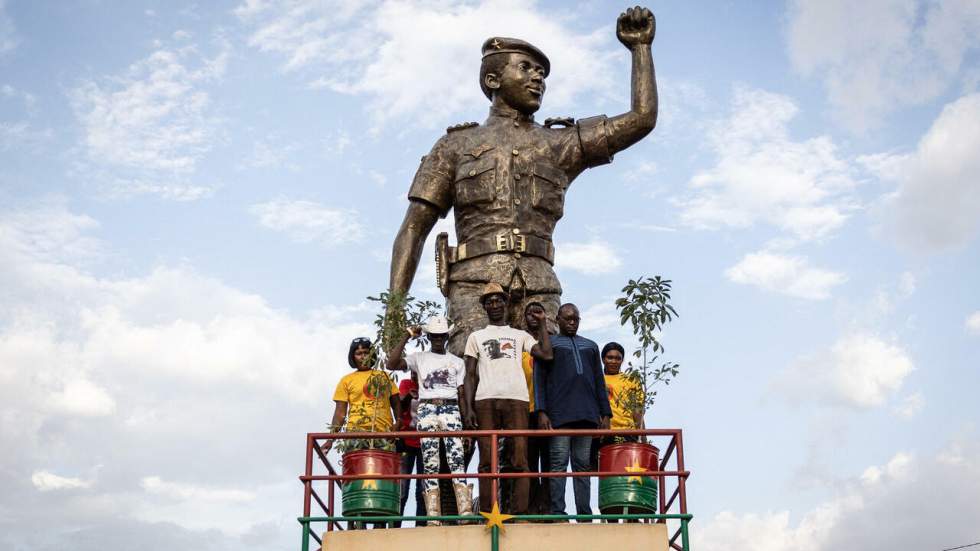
(673, 451)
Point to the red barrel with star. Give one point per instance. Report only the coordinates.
(371, 497)
(628, 494)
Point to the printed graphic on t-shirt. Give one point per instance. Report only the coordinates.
(503, 347)
(439, 378)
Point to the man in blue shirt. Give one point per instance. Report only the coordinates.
(570, 393)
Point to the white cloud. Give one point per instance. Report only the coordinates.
(972, 323)
(188, 492)
(937, 203)
(910, 406)
(853, 517)
(592, 258)
(763, 176)
(601, 316)
(82, 398)
(420, 58)
(860, 371)
(47, 481)
(877, 56)
(8, 33)
(146, 131)
(164, 364)
(309, 222)
(789, 275)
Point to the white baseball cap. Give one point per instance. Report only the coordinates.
(437, 325)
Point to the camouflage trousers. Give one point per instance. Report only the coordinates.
(440, 417)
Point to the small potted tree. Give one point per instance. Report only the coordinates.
(377, 455)
(645, 305)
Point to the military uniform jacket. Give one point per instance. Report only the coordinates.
(508, 177)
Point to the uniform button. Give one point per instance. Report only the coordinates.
(516, 231)
(472, 173)
(517, 201)
(516, 152)
(517, 255)
(517, 176)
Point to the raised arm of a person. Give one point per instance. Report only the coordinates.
(339, 415)
(541, 395)
(635, 29)
(542, 350)
(396, 357)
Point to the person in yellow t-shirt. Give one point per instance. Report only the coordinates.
(619, 386)
(367, 398)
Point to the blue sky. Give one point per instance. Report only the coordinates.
(196, 198)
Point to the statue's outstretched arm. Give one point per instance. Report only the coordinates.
(407, 249)
(635, 28)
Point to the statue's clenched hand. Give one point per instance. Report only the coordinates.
(636, 26)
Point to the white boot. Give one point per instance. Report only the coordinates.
(464, 499)
(432, 506)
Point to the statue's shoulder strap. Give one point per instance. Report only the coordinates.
(567, 122)
(461, 126)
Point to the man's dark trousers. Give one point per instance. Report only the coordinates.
(498, 413)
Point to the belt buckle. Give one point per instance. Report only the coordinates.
(504, 242)
(520, 243)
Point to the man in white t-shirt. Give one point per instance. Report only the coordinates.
(496, 394)
(440, 376)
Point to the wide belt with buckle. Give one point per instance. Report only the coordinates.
(506, 243)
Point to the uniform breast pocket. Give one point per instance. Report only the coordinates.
(548, 192)
(475, 182)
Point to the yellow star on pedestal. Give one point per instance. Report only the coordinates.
(635, 468)
(495, 517)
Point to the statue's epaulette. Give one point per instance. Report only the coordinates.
(567, 122)
(461, 126)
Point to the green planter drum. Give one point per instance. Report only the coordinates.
(371, 497)
(628, 494)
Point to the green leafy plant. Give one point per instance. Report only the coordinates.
(399, 311)
(645, 306)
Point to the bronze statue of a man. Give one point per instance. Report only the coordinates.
(506, 180)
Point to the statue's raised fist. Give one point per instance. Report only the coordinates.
(636, 26)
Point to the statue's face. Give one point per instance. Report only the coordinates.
(521, 84)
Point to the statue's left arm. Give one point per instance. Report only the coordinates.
(635, 29)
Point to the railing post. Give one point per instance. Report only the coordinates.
(494, 466)
(308, 484)
(662, 487)
(681, 480)
(306, 535)
(330, 484)
(685, 544)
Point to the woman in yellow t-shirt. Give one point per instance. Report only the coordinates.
(367, 398)
(620, 387)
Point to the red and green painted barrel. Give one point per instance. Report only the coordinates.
(628, 494)
(371, 497)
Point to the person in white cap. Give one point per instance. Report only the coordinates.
(441, 376)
